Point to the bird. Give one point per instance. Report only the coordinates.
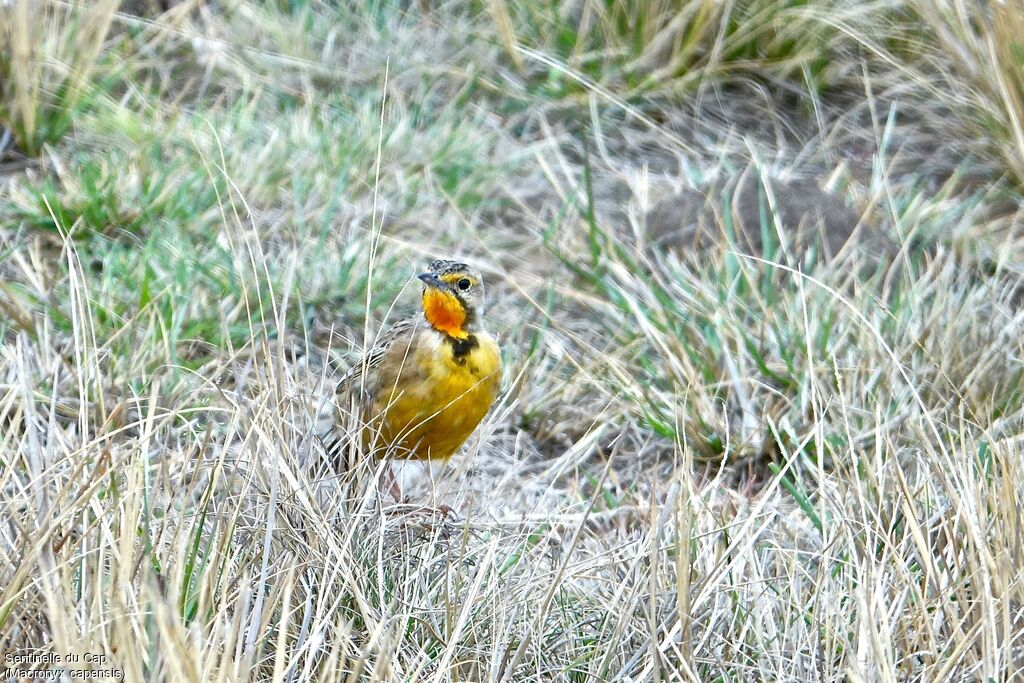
(427, 383)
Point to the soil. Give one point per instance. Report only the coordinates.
(745, 210)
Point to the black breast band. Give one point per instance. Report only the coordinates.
(460, 347)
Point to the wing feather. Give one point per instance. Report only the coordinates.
(359, 383)
(368, 365)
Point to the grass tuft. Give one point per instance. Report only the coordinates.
(54, 64)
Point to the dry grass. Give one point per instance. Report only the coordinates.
(705, 465)
(49, 54)
(983, 48)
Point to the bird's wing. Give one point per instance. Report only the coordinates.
(367, 366)
(329, 418)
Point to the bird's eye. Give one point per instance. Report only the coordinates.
(463, 284)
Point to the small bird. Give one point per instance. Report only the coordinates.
(429, 381)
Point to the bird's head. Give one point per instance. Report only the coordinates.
(453, 295)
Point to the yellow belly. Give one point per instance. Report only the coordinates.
(437, 400)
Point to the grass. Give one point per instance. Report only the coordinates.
(707, 462)
(54, 64)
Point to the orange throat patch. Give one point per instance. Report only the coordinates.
(444, 312)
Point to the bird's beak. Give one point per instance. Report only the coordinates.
(431, 280)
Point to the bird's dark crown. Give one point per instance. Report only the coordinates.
(441, 267)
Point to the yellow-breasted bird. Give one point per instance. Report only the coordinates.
(429, 381)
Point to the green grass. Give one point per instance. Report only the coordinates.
(55, 63)
(705, 464)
